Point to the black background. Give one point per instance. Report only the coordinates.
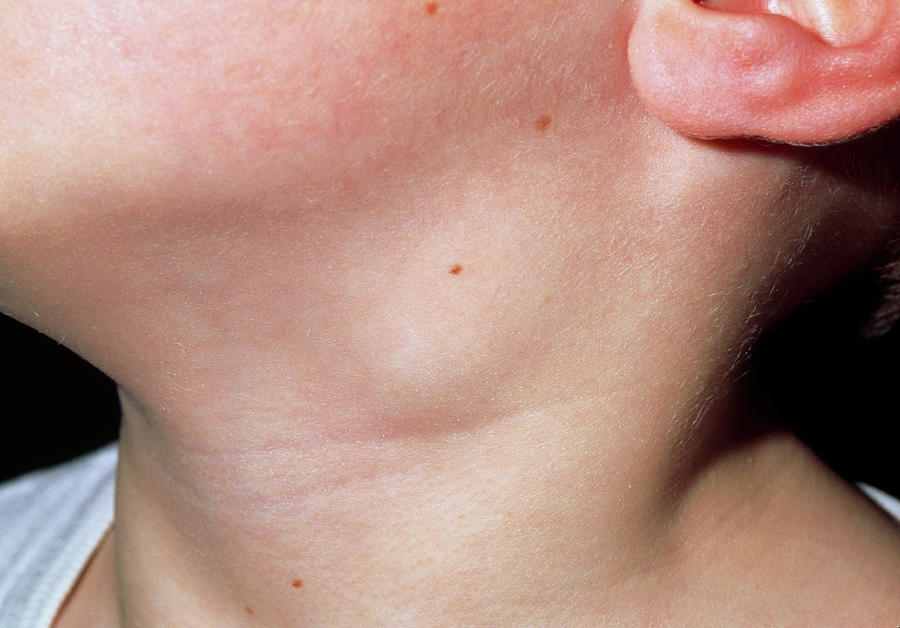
(54, 405)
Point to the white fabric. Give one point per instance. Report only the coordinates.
(888, 503)
(51, 521)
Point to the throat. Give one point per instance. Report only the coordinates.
(93, 600)
(575, 511)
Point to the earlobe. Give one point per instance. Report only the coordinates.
(799, 71)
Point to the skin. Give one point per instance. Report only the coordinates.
(422, 310)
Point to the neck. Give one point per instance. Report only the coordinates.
(417, 310)
(506, 414)
(438, 437)
(561, 504)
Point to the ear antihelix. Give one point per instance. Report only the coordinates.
(837, 22)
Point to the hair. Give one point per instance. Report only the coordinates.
(872, 164)
(885, 318)
(879, 158)
(828, 372)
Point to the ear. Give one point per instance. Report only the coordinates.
(798, 71)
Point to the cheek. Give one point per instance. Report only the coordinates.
(262, 97)
(263, 94)
(264, 81)
(173, 96)
(353, 86)
(307, 90)
(150, 111)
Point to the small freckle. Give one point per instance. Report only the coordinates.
(297, 584)
(456, 269)
(431, 8)
(249, 610)
(543, 123)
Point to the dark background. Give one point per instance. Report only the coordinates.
(53, 404)
(813, 373)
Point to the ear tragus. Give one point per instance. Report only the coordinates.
(800, 71)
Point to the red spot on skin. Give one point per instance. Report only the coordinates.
(431, 8)
(249, 610)
(297, 583)
(543, 123)
(456, 269)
